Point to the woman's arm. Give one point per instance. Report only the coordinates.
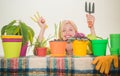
(103, 63)
(90, 21)
(42, 24)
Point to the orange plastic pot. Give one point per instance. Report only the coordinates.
(58, 48)
(41, 51)
(79, 47)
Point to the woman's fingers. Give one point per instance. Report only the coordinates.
(39, 20)
(38, 15)
(42, 19)
(33, 19)
(90, 20)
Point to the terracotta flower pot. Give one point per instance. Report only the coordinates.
(41, 51)
(58, 48)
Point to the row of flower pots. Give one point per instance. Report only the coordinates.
(15, 37)
(13, 47)
(79, 48)
(99, 47)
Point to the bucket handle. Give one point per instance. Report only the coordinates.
(108, 43)
(99, 37)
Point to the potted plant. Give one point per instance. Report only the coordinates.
(79, 44)
(40, 47)
(57, 46)
(18, 28)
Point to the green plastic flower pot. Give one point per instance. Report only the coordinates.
(115, 40)
(119, 52)
(99, 47)
(114, 51)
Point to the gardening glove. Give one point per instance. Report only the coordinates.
(115, 61)
(103, 63)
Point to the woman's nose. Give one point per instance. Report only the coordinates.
(67, 32)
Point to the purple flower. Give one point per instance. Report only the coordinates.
(79, 35)
(76, 35)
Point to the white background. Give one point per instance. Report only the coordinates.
(107, 15)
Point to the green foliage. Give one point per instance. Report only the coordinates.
(55, 32)
(10, 29)
(19, 28)
(43, 42)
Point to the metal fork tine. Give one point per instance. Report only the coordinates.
(86, 6)
(89, 8)
(93, 8)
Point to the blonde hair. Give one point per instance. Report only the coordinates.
(63, 23)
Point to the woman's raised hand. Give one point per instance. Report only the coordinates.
(90, 20)
(40, 20)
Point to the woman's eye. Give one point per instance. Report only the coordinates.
(70, 30)
(63, 30)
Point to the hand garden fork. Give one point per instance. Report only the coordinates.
(88, 8)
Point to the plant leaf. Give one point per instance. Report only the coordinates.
(12, 23)
(55, 26)
(6, 27)
(3, 30)
(10, 31)
(31, 34)
(27, 33)
(16, 30)
(24, 32)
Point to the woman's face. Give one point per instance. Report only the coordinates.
(67, 31)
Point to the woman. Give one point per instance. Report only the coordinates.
(67, 30)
